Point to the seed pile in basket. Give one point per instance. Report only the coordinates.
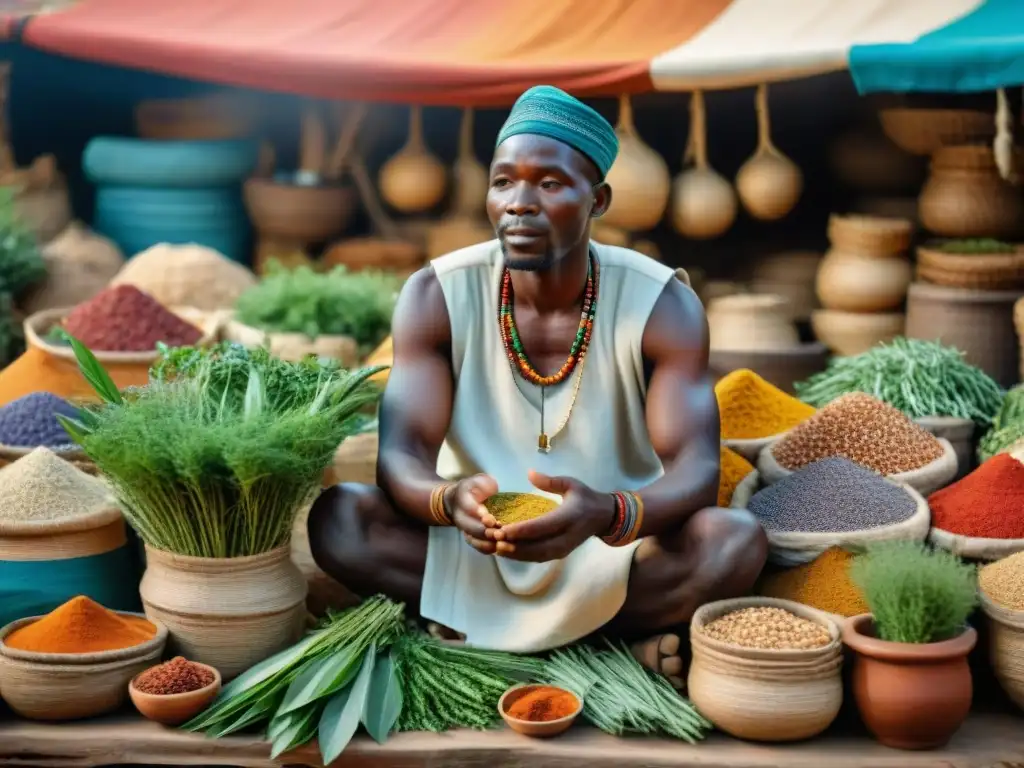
(43, 487)
(831, 496)
(767, 628)
(1002, 582)
(863, 429)
(987, 504)
(31, 421)
(124, 319)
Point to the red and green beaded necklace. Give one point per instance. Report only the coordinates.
(513, 345)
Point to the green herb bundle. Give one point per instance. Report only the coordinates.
(447, 686)
(335, 303)
(920, 378)
(220, 475)
(916, 594)
(323, 687)
(620, 696)
(1007, 430)
(21, 268)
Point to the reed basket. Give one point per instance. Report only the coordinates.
(229, 613)
(1006, 647)
(765, 695)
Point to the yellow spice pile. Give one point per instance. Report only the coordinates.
(516, 507)
(733, 469)
(767, 628)
(751, 408)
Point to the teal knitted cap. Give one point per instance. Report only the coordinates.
(548, 111)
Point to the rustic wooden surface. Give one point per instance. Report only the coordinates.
(986, 741)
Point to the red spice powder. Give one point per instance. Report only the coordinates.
(541, 705)
(125, 319)
(987, 504)
(175, 676)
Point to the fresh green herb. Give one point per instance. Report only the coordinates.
(1008, 427)
(916, 594)
(21, 268)
(920, 378)
(620, 696)
(335, 303)
(980, 246)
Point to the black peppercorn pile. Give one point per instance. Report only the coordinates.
(124, 319)
(831, 496)
(31, 421)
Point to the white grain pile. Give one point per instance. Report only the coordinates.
(41, 486)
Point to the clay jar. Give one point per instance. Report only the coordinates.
(965, 196)
(751, 322)
(910, 696)
(865, 270)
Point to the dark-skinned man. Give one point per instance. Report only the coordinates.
(544, 361)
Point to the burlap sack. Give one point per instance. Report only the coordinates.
(293, 346)
(789, 548)
(745, 489)
(974, 548)
(751, 449)
(926, 480)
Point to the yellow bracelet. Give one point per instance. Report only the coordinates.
(438, 513)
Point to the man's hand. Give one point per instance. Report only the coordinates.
(469, 514)
(583, 513)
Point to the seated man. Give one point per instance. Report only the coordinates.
(544, 361)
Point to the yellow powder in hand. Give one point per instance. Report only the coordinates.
(516, 507)
(750, 408)
(733, 469)
(824, 583)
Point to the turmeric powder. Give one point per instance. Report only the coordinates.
(81, 625)
(750, 408)
(824, 583)
(733, 469)
(516, 507)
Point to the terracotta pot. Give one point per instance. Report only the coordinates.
(910, 696)
(751, 322)
(965, 196)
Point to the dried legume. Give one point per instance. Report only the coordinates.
(767, 628)
(31, 421)
(863, 429)
(42, 486)
(124, 319)
(175, 676)
(1002, 582)
(831, 496)
(516, 507)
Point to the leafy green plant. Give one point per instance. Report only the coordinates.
(916, 594)
(985, 245)
(1007, 427)
(21, 268)
(334, 303)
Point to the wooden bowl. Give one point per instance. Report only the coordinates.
(174, 708)
(528, 728)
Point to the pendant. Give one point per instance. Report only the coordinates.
(543, 444)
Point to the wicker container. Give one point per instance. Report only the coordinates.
(230, 613)
(1006, 647)
(850, 333)
(751, 322)
(924, 131)
(982, 271)
(876, 236)
(765, 695)
(398, 256)
(781, 368)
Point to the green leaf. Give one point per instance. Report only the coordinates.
(384, 700)
(343, 712)
(328, 675)
(298, 730)
(94, 372)
(76, 430)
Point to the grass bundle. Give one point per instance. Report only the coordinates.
(1007, 432)
(206, 469)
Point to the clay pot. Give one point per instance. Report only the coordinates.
(910, 696)
(751, 322)
(850, 333)
(965, 196)
(790, 275)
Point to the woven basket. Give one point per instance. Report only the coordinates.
(1006, 647)
(1018, 324)
(230, 613)
(870, 235)
(292, 346)
(71, 537)
(925, 131)
(987, 271)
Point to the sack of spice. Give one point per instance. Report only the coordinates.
(754, 412)
(981, 517)
(871, 433)
(834, 503)
(734, 470)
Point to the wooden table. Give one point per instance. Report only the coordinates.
(986, 741)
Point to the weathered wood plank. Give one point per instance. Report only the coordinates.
(986, 741)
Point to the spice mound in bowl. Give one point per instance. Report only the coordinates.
(510, 508)
(80, 626)
(125, 319)
(767, 628)
(175, 691)
(31, 421)
(539, 710)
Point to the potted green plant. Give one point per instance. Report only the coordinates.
(911, 681)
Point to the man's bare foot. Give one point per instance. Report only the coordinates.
(660, 654)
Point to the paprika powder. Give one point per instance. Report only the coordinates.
(81, 625)
(987, 504)
(544, 704)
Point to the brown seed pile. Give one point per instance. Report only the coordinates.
(767, 629)
(1002, 582)
(862, 429)
(124, 319)
(42, 486)
(515, 507)
(179, 675)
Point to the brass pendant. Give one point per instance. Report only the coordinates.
(543, 444)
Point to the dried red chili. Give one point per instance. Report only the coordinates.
(987, 504)
(125, 319)
(179, 675)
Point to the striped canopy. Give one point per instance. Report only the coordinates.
(486, 52)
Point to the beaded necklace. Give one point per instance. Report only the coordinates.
(519, 361)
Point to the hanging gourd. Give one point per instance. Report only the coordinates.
(471, 178)
(769, 183)
(704, 202)
(413, 180)
(639, 179)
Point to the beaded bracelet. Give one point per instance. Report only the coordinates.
(629, 517)
(438, 514)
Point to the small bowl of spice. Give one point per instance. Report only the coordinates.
(175, 691)
(540, 711)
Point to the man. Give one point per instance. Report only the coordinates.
(543, 361)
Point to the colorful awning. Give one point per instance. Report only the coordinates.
(486, 52)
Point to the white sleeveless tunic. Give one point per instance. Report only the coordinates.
(503, 604)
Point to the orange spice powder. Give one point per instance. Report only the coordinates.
(81, 625)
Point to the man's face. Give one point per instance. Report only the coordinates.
(540, 201)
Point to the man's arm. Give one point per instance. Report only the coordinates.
(417, 403)
(682, 412)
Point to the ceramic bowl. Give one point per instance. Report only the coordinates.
(175, 708)
(528, 728)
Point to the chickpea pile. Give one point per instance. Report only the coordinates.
(767, 629)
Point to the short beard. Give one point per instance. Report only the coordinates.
(538, 263)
